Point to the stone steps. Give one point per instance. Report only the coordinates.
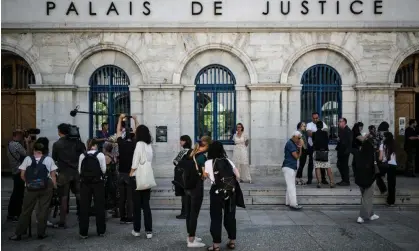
(271, 192)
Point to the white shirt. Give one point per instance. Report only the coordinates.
(392, 160)
(141, 149)
(100, 157)
(210, 171)
(48, 162)
(313, 128)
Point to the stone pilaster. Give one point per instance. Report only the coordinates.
(375, 103)
(269, 124)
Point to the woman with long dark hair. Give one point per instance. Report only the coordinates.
(141, 198)
(223, 176)
(356, 141)
(195, 196)
(365, 174)
(388, 156)
(186, 144)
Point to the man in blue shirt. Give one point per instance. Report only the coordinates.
(292, 153)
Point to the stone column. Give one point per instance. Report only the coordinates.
(375, 103)
(161, 107)
(53, 106)
(269, 124)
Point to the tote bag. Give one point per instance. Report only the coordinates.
(144, 175)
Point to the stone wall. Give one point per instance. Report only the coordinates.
(162, 68)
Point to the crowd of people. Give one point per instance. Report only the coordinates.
(113, 173)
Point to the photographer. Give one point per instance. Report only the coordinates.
(16, 153)
(66, 152)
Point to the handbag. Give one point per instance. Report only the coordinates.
(144, 175)
(322, 156)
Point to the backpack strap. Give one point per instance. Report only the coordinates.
(41, 161)
(85, 154)
(96, 154)
(33, 160)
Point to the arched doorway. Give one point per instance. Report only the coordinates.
(215, 103)
(109, 95)
(406, 99)
(18, 101)
(322, 92)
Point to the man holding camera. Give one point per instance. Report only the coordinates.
(17, 150)
(66, 152)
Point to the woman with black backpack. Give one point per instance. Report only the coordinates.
(38, 173)
(224, 177)
(186, 144)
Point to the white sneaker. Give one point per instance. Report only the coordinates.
(50, 224)
(195, 244)
(196, 239)
(374, 217)
(136, 234)
(149, 235)
(360, 220)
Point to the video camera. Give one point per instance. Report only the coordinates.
(32, 132)
(73, 132)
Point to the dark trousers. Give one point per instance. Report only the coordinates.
(16, 199)
(391, 183)
(183, 210)
(343, 166)
(217, 205)
(125, 201)
(354, 154)
(43, 198)
(193, 203)
(87, 191)
(141, 201)
(410, 163)
(311, 166)
(303, 160)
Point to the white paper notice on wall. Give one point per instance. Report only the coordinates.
(402, 125)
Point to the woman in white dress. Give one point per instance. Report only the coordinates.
(241, 154)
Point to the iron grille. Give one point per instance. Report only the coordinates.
(109, 96)
(322, 92)
(406, 75)
(215, 103)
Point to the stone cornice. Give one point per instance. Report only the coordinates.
(53, 87)
(269, 87)
(377, 86)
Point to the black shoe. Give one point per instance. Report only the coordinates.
(15, 238)
(324, 182)
(308, 182)
(83, 236)
(129, 221)
(344, 184)
(41, 237)
(13, 218)
(181, 217)
(62, 226)
(101, 235)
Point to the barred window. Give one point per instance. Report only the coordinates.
(215, 103)
(322, 92)
(109, 96)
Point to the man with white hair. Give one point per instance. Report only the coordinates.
(292, 153)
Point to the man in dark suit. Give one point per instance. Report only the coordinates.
(344, 150)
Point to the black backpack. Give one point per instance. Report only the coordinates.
(225, 179)
(192, 173)
(178, 174)
(90, 171)
(36, 175)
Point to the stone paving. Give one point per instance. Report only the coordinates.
(279, 229)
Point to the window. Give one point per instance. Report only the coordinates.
(322, 92)
(215, 104)
(109, 96)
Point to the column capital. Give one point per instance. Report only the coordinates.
(377, 86)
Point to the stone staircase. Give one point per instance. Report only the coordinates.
(269, 191)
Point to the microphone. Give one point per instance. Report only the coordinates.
(74, 112)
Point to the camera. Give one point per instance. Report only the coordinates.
(73, 132)
(32, 132)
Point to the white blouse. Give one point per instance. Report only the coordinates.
(210, 171)
(143, 153)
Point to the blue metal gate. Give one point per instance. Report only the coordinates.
(215, 103)
(109, 95)
(322, 92)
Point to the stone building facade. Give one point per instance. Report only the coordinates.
(162, 68)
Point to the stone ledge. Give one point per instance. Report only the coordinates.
(269, 87)
(53, 87)
(377, 86)
(160, 87)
